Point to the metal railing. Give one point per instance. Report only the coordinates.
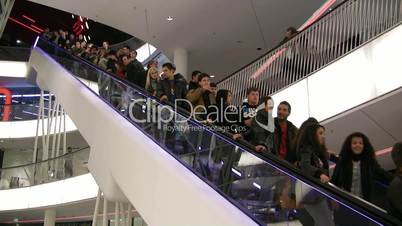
(59, 168)
(345, 28)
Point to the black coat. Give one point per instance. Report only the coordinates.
(227, 118)
(395, 197)
(310, 163)
(247, 111)
(369, 171)
(192, 85)
(290, 136)
(136, 73)
(179, 87)
(258, 135)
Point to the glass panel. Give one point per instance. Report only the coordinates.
(63, 167)
(263, 190)
(24, 111)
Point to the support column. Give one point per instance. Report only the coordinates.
(180, 59)
(104, 217)
(129, 215)
(50, 217)
(116, 213)
(400, 11)
(96, 211)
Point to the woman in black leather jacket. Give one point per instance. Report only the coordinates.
(313, 161)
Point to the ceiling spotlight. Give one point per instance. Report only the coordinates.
(212, 76)
(169, 18)
(18, 41)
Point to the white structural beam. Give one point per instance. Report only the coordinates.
(177, 195)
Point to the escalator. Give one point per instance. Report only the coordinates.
(151, 151)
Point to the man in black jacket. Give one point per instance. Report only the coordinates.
(134, 69)
(248, 111)
(174, 86)
(262, 129)
(285, 132)
(394, 190)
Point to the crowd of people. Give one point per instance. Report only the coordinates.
(121, 62)
(356, 170)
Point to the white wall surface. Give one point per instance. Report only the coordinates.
(13, 69)
(24, 129)
(365, 74)
(49, 194)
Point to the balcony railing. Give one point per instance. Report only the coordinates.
(345, 28)
(65, 166)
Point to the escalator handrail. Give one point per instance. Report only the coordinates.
(289, 169)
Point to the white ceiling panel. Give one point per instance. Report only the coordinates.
(221, 36)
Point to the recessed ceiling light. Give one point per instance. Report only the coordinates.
(169, 18)
(18, 41)
(212, 76)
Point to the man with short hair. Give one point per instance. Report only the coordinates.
(214, 88)
(193, 84)
(285, 133)
(290, 33)
(135, 70)
(202, 97)
(76, 49)
(173, 85)
(126, 50)
(248, 111)
(261, 132)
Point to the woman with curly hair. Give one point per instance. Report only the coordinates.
(355, 172)
(357, 168)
